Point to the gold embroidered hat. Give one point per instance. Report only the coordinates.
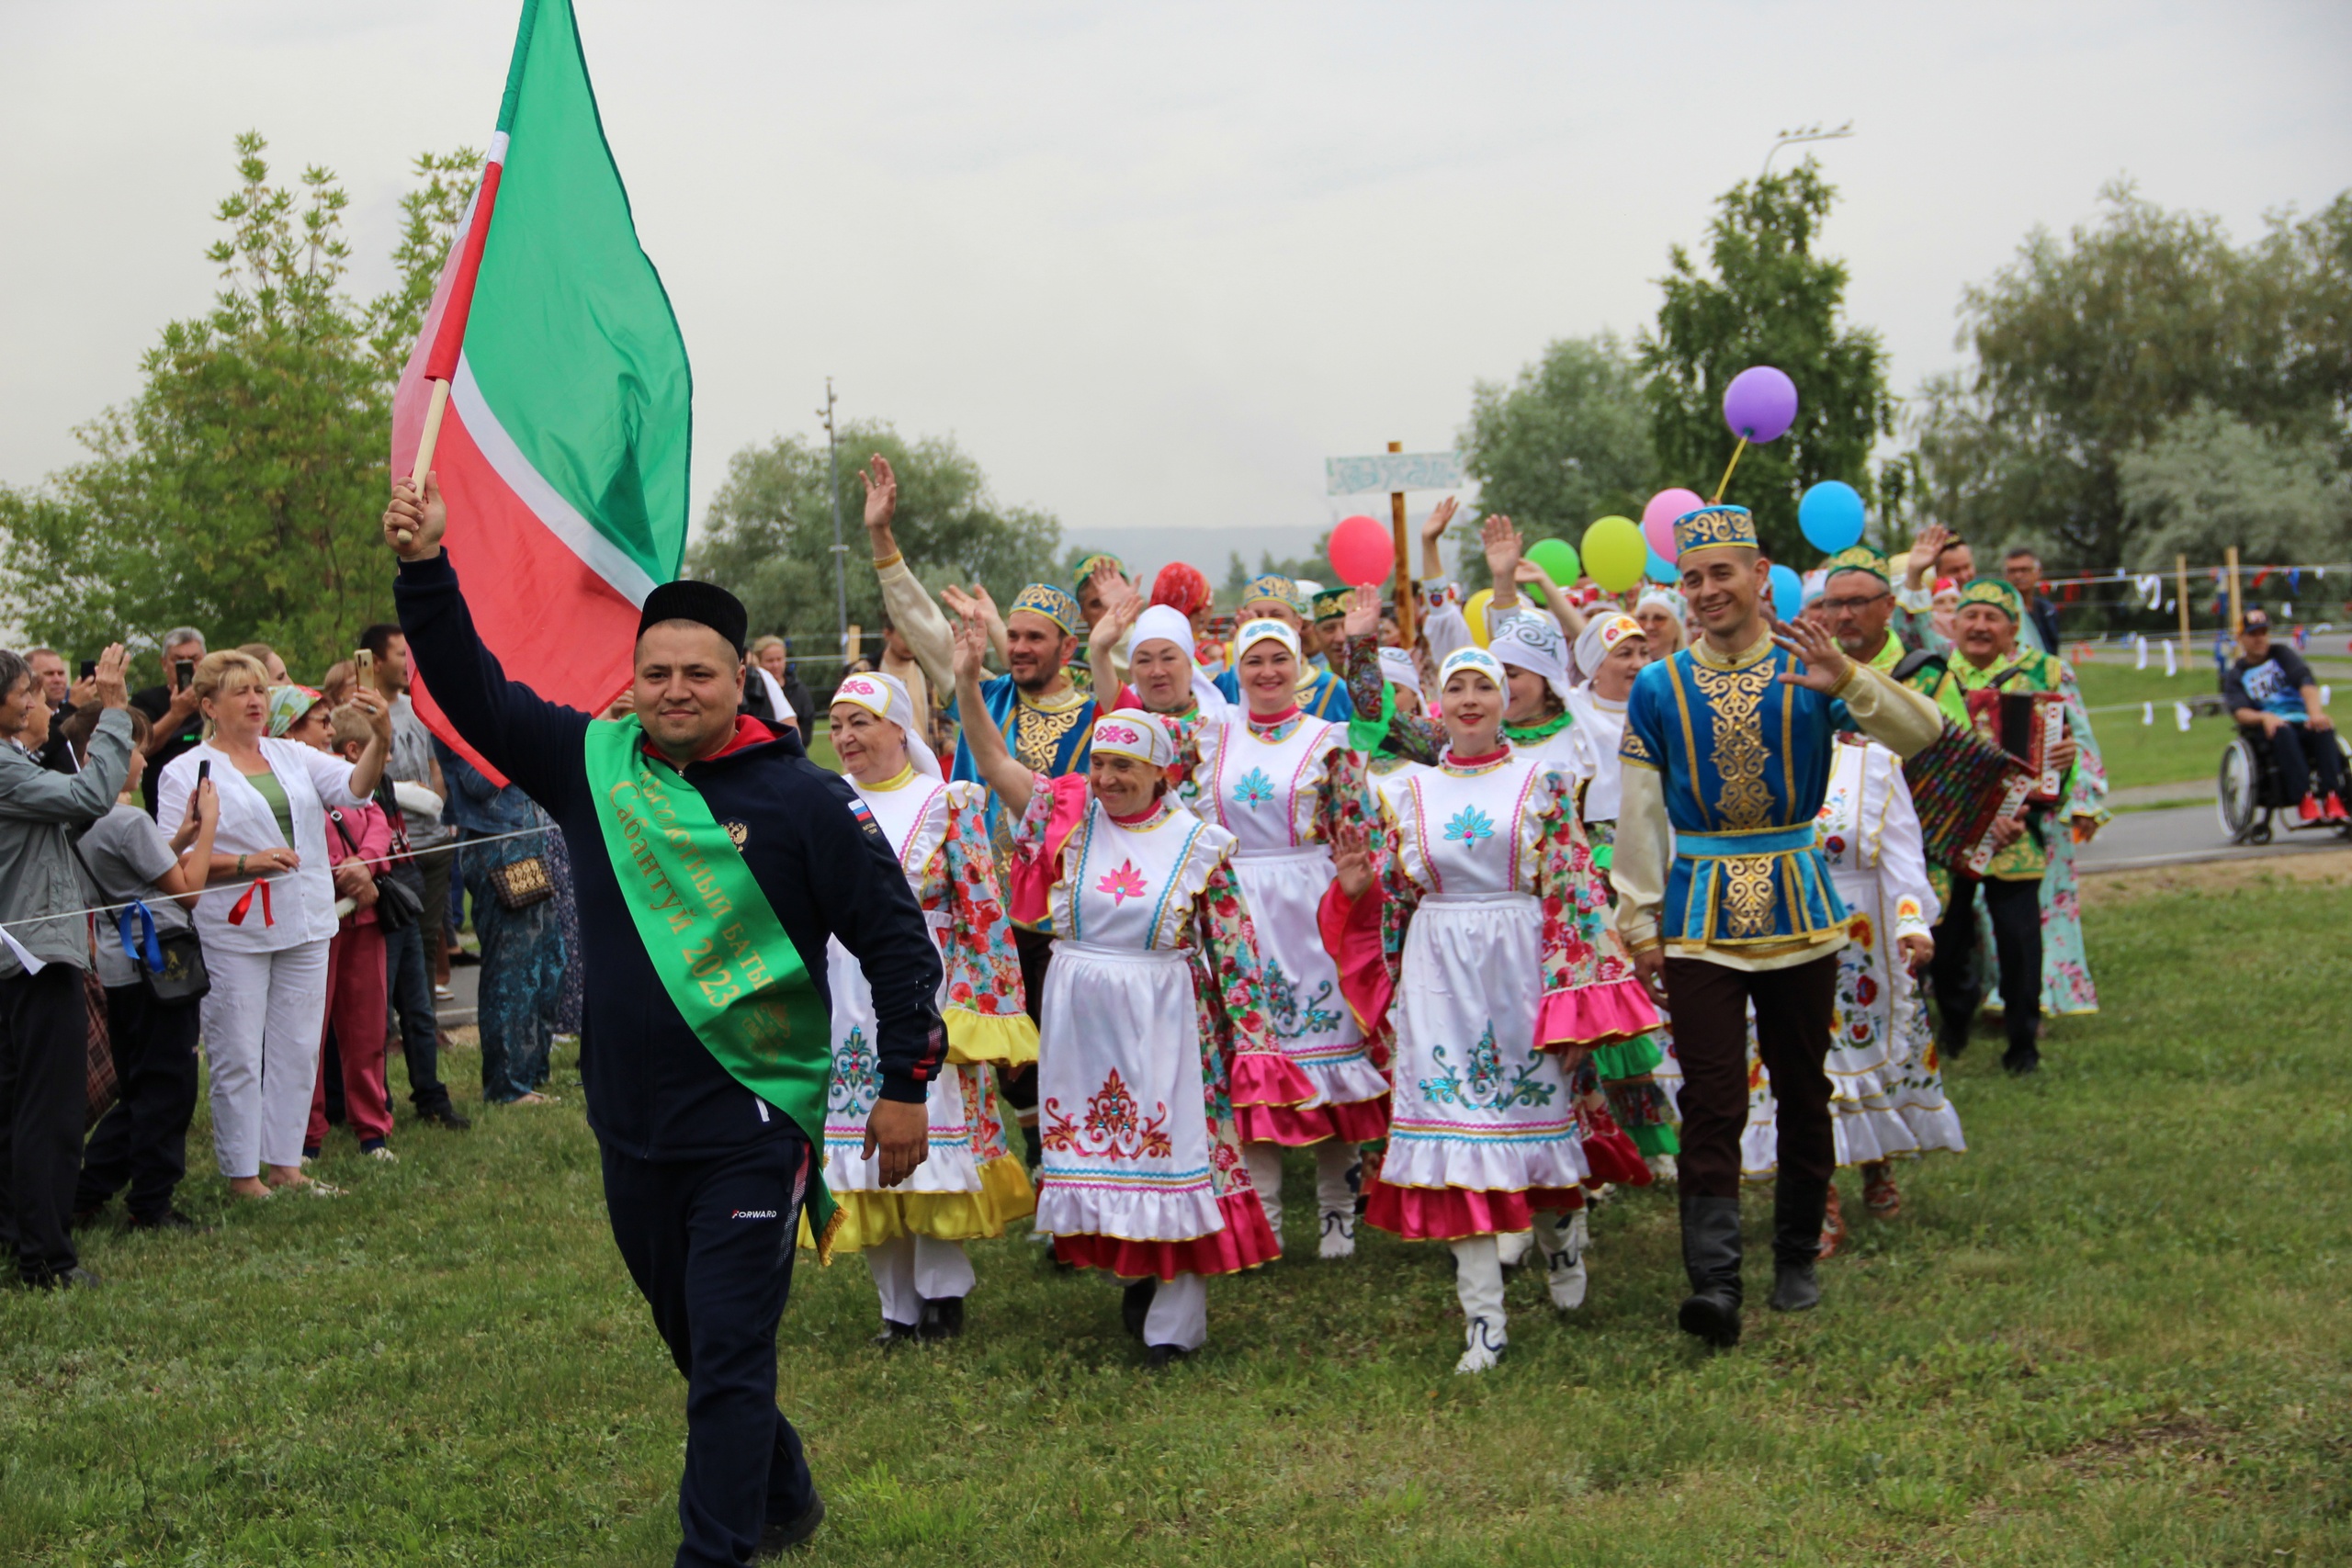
(1273, 587)
(1045, 599)
(1996, 592)
(1858, 557)
(1332, 602)
(1713, 528)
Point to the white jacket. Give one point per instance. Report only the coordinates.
(302, 901)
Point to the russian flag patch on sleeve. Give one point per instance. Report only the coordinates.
(865, 818)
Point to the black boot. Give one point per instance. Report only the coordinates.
(1711, 1258)
(942, 1318)
(1135, 1304)
(1799, 1205)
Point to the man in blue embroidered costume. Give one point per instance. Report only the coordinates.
(1274, 597)
(704, 1175)
(1724, 899)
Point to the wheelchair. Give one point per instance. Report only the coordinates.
(2249, 790)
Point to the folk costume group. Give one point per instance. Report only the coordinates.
(1183, 907)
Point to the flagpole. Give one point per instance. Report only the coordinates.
(430, 439)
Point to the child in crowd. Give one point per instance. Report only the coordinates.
(143, 1140)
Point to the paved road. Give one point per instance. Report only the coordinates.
(2184, 834)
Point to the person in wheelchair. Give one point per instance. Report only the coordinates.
(2270, 691)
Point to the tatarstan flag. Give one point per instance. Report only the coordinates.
(562, 453)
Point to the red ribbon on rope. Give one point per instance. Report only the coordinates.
(243, 905)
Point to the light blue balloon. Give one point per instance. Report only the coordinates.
(1831, 515)
(1788, 593)
(1662, 569)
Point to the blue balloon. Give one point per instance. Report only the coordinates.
(1662, 569)
(1788, 593)
(1831, 515)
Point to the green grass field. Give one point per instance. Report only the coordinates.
(2158, 753)
(2117, 1331)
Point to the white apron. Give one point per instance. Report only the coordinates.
(1265, 792)
(1120, 1107)
(915, 819)
(1474, 1104)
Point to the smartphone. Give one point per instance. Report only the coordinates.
(185, 669)
(363, 664)
(203, 770)
(89, 668)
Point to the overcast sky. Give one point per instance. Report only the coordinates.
(1150, 264)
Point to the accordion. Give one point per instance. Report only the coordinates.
(2027, 725)
(1962, 784)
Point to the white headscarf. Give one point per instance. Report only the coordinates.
(885, 696)
(1396, 667)
(1165, 622)
(1131, 732)
(1601, 634)
(1533, 643)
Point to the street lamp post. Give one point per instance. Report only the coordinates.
(1803, 133)
(841, 580)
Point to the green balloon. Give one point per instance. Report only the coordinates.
(1615, 553)
(1558, 559)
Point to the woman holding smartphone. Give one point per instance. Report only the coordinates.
(268, 915)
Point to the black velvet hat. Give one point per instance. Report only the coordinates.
(706, 604)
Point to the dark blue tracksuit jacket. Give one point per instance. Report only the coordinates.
(654, 1092)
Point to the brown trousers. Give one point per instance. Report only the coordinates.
(1795, 1011)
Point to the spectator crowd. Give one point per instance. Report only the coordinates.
(274, 873)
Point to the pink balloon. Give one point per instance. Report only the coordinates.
(1657, 518)
(1362, 552)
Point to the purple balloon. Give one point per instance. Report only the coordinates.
(1760, 403)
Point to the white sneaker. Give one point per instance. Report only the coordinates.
(1566, 1270)
(1339, 1234)
(381, 1152)
(1661, 1167)
(1513, 1248)
(1485, 1346)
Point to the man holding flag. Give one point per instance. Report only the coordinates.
(712, 860)
(549, 398)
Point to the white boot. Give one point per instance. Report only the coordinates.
(1478, 1282)
(1264, 1163)
(1564, 1246)
(1334, 1199)
(1513, 1246)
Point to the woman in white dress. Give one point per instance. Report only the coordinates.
(1142, 1173)
(1886, 1087)
(1283, 783)
(1473, 929)
(969, 1184)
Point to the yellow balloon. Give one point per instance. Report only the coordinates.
(1475, 612)
(1615, 554)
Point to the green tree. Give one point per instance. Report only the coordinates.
(1771, 300)
(2143, 338)
(769, 534)
(430, 212)
(2211, 479)
(1568, 441)
(239, 491)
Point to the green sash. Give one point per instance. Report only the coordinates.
(715, 940)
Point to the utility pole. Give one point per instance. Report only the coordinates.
(841, 580)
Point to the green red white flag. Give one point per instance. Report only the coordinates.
(562, 453)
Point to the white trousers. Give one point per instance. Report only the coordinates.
(264, 1020)
(1179, 1314)
(1333, 1158)
(910, 1269)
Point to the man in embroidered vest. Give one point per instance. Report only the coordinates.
(1858, 597)
(1273, 597)
(711, 859)
(2037, 846)
(1724, 898)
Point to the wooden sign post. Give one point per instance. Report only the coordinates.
(1397, 472)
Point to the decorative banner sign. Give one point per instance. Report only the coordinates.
(1392, 472)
